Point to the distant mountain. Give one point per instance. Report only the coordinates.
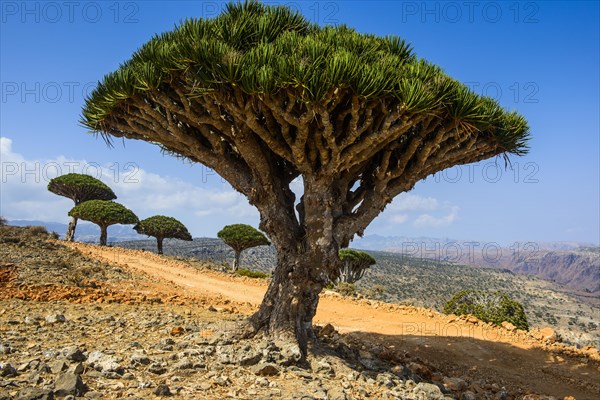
(573, 264)
(86, 231)
(395, 243)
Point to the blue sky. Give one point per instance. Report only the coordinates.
(540, 58)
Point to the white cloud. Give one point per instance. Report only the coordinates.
(431, 221)
(204, 209)
(421, 212)
(413, 202)
(399, 218)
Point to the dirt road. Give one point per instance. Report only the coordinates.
(454, 346)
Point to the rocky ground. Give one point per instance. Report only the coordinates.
(75, 327)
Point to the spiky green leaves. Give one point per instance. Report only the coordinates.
(264, 49)
(356, 257)
(80, 188)
(160, 226)
(241, 237)
(104, 213)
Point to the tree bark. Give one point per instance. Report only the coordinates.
(70, 235)
(307, 260)
(159, 243)
(103, 235)
(236, 260)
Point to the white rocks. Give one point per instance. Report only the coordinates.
(104, 362)
(55, 318)
(431, 391)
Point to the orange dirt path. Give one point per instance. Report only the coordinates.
(452, 345)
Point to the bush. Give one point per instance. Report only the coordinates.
(493, 307)
(346, 289)
(3, 221)
(251, 274)
(37, 231)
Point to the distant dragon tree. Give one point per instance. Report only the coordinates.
(79, 188)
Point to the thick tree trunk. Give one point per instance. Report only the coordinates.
(290, 303)
(307, 260)
(70, 235)
(159, 242)
(103, 235)
(236, 260)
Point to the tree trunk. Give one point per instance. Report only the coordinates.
(159, 242)
(307, 260)
(70, 235)
(103, 235)
(236, 260)
(290, 303)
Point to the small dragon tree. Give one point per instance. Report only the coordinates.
(79, 188)
(354, 265)
(104, 213)
(241, 237)
(162, 227)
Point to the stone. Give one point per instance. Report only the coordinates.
(35, 394)
(430, 390)
(265, 369)
(322, 367)
(262, 381)
(327, 330)
(73, 353)
(177, 331)
(76, 368)
(468, 395)
(290, 354)
(57, 366)
(157, 369)
(139, 358)
(8, 370)
(55, 318)
(69, 384)
(104, 362)
(455, 384)
(162, 390)
(249, 358)
(184, 364)
(337, 394)
(508, 326)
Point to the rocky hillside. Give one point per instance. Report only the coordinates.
(73, 327)
(579, 269)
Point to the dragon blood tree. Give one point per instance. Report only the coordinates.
(104, 213)
(354, 265)
(79, 188)
(241, 237)
(162, 227)
(262, 96)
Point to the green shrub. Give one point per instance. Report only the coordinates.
(251, 274)
(3, 221)
(37, 231)
(493, 307)
(346, 289)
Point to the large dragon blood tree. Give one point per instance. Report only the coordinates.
(262, 96)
